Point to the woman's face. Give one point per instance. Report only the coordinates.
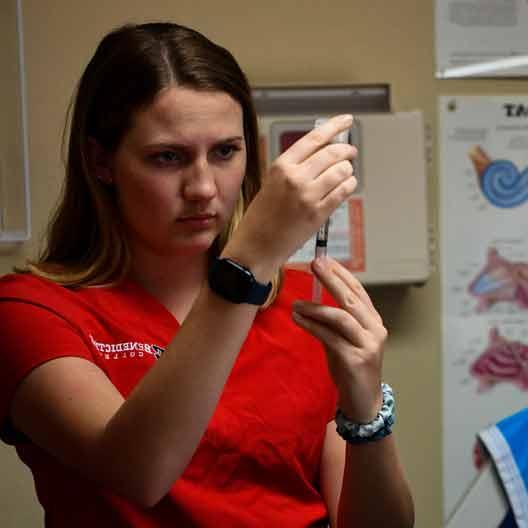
(178, 171)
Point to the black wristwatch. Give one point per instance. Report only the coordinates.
(236, 283)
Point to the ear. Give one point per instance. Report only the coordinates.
(99, 162)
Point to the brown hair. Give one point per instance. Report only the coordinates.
(86, 244)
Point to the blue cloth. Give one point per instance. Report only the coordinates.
(509, 521)
(507, 445)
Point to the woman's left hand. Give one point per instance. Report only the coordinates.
(353, 336)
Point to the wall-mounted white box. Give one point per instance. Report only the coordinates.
(388, 215)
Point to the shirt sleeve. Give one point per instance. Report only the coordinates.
(31, 335)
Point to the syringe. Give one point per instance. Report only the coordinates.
(321, 243)
(321, 240)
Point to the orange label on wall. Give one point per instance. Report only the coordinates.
(357, 235)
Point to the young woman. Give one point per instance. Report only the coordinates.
(157, 366)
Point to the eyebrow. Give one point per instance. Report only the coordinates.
(175, 145)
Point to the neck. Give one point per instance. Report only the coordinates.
(175, 281)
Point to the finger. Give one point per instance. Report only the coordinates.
(346, 295)
(331, 178)
(331, 339)
(327, 157)
(335, 320)
(353, 283)
(338, 195)
(316, 139)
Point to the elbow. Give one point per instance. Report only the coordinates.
(145, 494)
(407, 514)
(142, 480)
(143, 488)
(405, 519)
(148, 498)
(398, 517)
(154, 484)
(410, 518)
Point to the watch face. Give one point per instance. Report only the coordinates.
(235, 281)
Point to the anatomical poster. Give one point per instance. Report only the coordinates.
(483, 153)
(481, 38)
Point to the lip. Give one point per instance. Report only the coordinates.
(203, 216)
(197, 221)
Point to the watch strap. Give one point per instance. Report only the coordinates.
(236, 283)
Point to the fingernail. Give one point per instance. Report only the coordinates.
(297, 317)
(297, 306)
(320, 263)
(347, 117)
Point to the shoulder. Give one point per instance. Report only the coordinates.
(28, 288)
(13, 284)
(25, 285)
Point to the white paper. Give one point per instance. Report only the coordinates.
(481, 38)
(15, 211)
(484, 271)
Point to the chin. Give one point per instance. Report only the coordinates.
(192, 248)
(177, 246)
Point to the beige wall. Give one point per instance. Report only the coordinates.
(277, 41)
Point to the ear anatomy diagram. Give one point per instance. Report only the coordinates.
(500, 281)
(501, 182)
(502, 361)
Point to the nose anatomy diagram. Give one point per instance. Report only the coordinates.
(502, 361)
(500, 281)
(501, 182)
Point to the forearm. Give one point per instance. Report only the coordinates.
(152, 437)
(375, 491)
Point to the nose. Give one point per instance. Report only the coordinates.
(200, 184)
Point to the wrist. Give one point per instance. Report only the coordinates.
(358, 412)
(381, 426)
(260, 264)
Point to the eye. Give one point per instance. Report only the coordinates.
(168, 157)
(226, 151)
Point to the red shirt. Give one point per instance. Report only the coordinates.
(257, 464)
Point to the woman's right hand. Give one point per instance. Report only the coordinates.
(301, 190)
